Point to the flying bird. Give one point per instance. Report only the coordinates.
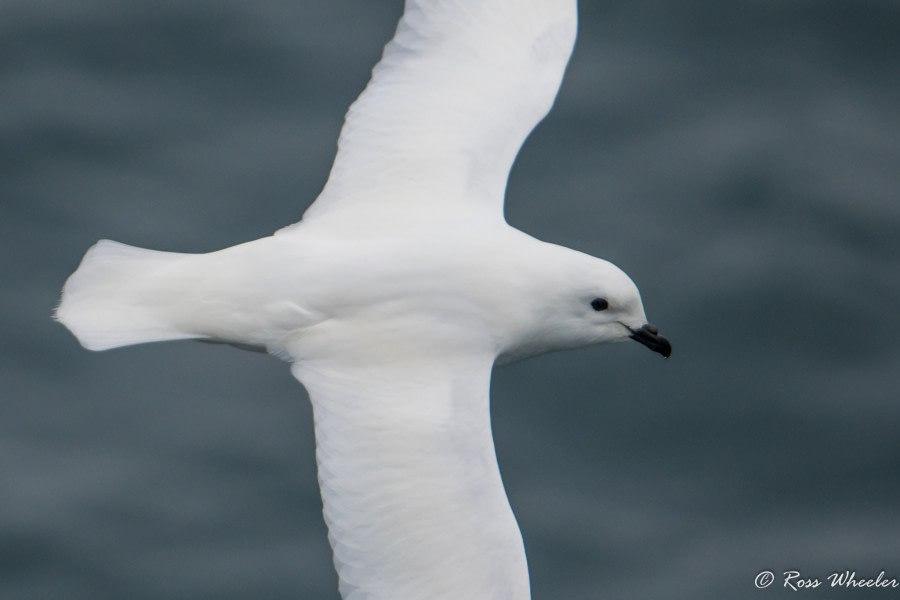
(396, 294)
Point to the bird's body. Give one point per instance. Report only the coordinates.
(300, 294)
(395, 296)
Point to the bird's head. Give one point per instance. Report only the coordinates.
(580, 300)
(615, 311)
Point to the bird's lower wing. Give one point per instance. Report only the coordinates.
(412, 494)
(458, 89)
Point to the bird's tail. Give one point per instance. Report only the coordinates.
(114, 299)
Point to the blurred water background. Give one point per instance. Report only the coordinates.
(741, 160)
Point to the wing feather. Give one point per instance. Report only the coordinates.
(457, 91)
(412, 494)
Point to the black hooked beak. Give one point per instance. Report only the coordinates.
(649, 336)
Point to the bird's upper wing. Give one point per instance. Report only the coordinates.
(412, 494)
(457, 91)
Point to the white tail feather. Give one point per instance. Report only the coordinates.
(108, 301)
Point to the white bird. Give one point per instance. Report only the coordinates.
(396, 294)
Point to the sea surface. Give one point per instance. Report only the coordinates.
(741, 160)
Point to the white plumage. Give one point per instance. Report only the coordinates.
(457, 91)
(396, 294)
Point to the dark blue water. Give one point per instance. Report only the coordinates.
(741, 160)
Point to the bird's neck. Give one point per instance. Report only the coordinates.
(412, 494)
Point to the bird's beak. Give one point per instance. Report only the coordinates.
(649, 336)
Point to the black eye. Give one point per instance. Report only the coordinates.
(599, 304)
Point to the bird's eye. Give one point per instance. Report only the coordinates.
(599, 304)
